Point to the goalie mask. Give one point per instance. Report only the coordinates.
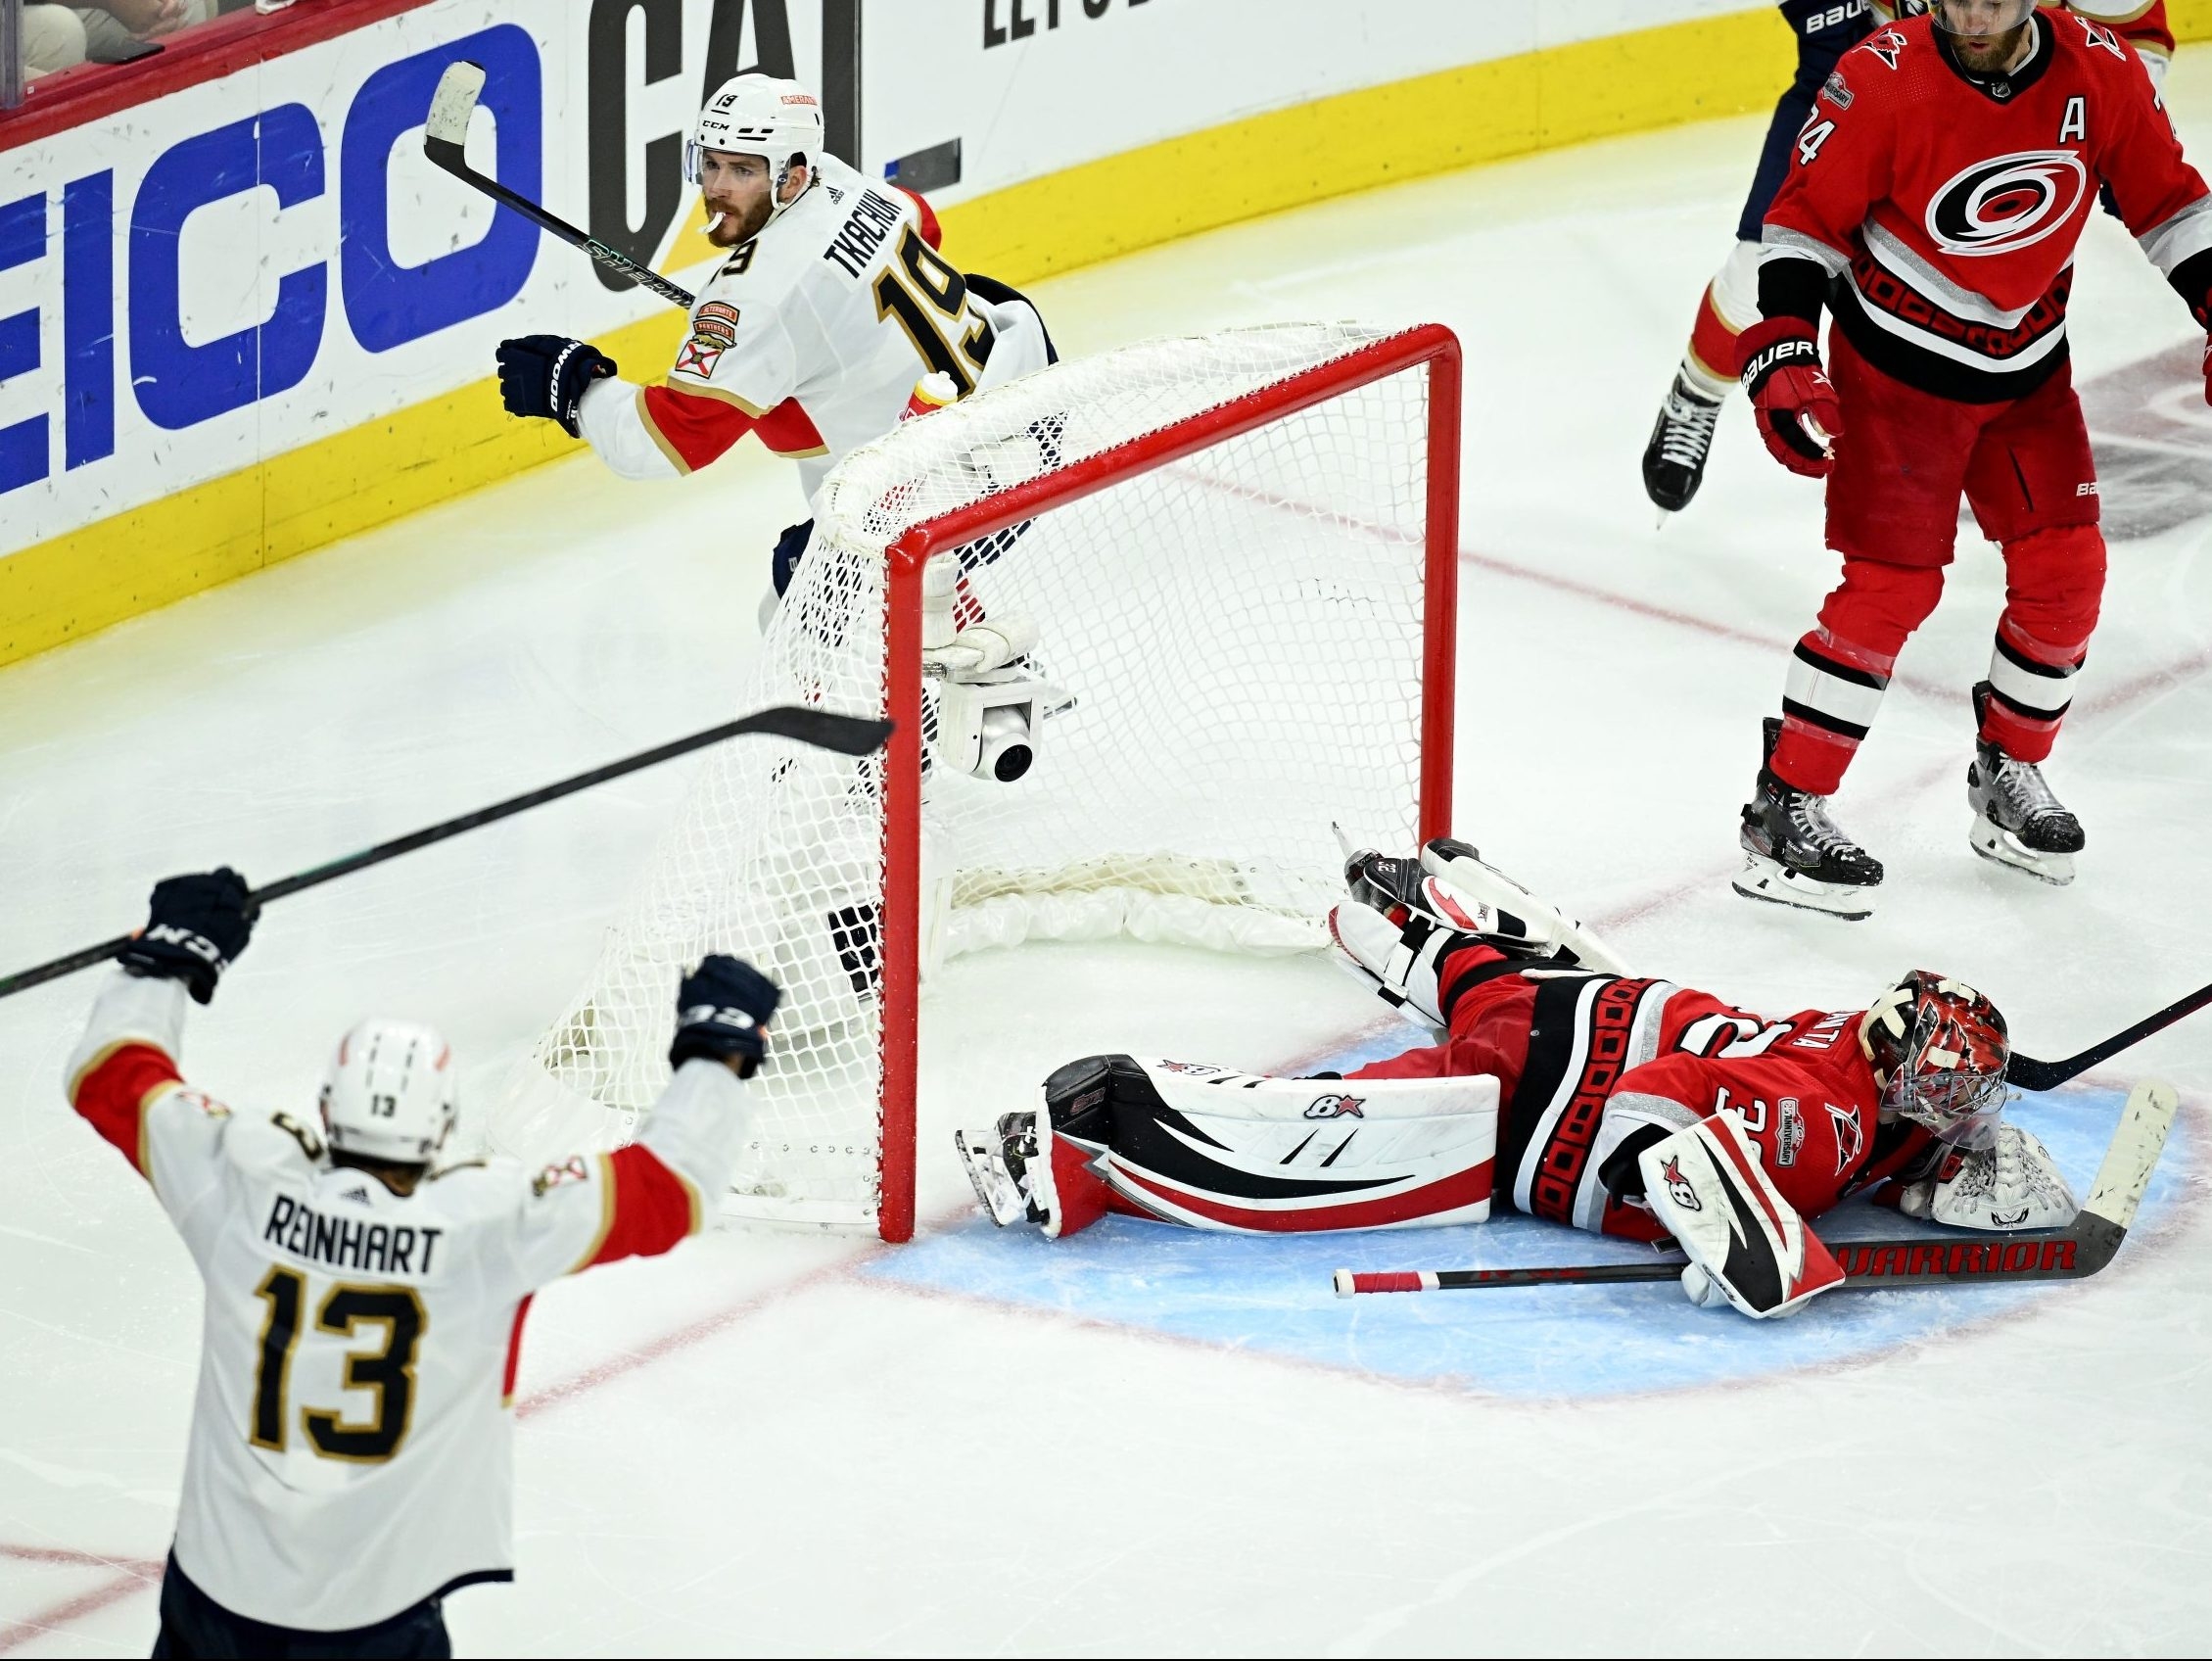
(390, 1093)
(756, 115)
(1938, 1050)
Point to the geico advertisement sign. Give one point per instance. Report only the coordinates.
(242, 266)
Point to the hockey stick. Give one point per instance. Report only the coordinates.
(1961, 1258)
(841, 735)
(2032, 1075)
(446, 132)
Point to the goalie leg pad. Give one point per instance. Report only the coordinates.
(1208, 1147)
(1744, 1241)
(1064, 1182)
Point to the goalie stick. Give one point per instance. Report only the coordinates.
(446, 132)
(1953, 1259)
(2032, 1075)
(818, 729)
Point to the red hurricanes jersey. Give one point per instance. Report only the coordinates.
(1949, 208)
(1585, 1062)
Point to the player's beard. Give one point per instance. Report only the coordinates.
(1990, 54)
(728, 228)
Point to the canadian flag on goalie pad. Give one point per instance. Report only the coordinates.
(1745, 1243)
(1208, 1147)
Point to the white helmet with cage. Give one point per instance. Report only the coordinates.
(764, 116)
(390, 1093)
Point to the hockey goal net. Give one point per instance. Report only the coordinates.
(1239, 554)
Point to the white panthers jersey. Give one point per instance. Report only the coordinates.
(352, 1445)
(813, 334)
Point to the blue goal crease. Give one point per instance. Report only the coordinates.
(1274, 1294)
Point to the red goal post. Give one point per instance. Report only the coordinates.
(1429, 346)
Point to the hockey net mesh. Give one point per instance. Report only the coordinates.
(1239, 636)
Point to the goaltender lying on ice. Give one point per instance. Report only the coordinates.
(1564, 1088)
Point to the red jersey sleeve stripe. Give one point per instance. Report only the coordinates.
(648, 1208)
(931, 232)
(514, 1356)
(114, 1091)
(691, 430)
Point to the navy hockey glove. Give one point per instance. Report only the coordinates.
(722, 1013)
(544, 376)
(197, 925)
(1790, 393)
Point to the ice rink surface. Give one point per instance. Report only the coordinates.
(1147, 1441)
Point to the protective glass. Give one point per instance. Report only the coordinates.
(1981, 18)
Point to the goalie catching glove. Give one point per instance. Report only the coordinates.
(2014, 1184)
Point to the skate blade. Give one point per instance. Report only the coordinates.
(2001, 847)
(1762, 878)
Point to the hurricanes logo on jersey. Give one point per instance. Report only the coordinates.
(1851, 1136)
(2007, 203)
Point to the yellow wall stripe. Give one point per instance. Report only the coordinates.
(64, 589)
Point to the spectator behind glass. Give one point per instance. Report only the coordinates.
(52, 40)
(114, 29)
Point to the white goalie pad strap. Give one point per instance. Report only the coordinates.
(1706, 1185)
(1247, 1153)
(2015, 1184)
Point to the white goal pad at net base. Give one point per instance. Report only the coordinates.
(1239, 554)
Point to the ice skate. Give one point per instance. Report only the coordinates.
(2017, 821)
(1794, 854)
(996, 1162)
(1451, 885)
(1681, 440)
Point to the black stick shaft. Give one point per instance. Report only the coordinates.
(449, 156)
(844, 735)
(1951, 1259)
(2032, 1075)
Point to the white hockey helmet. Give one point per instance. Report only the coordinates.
(765, 116)
(390, 1093)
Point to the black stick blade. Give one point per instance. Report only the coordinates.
(842, 734)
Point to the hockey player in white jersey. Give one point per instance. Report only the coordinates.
(833, 305)
(351, 1456)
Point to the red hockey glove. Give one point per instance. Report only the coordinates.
(1797, 408)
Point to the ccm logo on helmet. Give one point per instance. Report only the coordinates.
(2007, 202)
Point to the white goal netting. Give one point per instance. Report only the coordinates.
(1232, 647)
